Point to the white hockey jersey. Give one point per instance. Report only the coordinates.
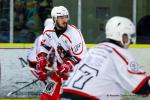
(106, 72)
(71, 41)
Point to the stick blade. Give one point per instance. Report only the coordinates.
(8, 95)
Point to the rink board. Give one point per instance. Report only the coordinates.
(16, 56)
(19, 99)
(29, 45)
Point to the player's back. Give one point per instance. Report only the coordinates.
(94, 74)
(105, 72)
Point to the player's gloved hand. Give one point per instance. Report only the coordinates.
(64, 69)
(42, 76)
(42, 62)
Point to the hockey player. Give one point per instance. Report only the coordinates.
(108, 69)
(68, 47)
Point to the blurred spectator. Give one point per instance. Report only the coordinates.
(19, 14)
(44, 10)
(31, 14)
(4, 30)
(27, 22)
(4, 24)
(27, 35)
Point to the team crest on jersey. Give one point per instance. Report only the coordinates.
(133, 66)
(76, 47)
(50, 87)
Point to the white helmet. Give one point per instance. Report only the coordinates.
(117, 26)
(59, 11)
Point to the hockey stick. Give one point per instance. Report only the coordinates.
(10, 93)
(51, 72)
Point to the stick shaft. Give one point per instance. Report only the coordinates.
(51, 72)
(24, 86)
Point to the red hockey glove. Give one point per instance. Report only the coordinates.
(42, 76)
(68, 64)
(42, 62)
(66, 67)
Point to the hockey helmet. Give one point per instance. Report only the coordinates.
(117, 26)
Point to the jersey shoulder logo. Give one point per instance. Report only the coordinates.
(77, 47)
(133, 68)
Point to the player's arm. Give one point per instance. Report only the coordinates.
(131, 77)
(75, 54)
(44, 46)
(43, 50)
(78, 47)
(143, 88)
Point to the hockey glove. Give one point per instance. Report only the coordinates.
(42, 76)
(42, 62)
(67, 67)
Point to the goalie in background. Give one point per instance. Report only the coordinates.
(64, 45)
(108, 69)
